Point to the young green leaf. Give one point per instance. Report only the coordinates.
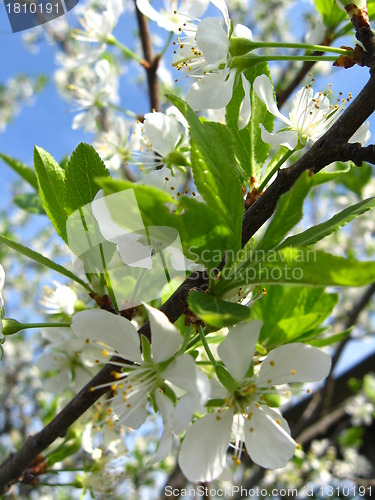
(356, 179)
(24, 171)
(331, 13)
(215, 170)
(288, 312)
(37, 257)
(80, 187)
(317, 233)
(216, 312)
(287, 214)
(51, 188)
(30, 202)
(299, 266)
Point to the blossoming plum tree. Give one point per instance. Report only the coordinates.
(186, 320)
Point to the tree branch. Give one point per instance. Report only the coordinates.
(151, 60)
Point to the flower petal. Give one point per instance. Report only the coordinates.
(203, 452)
(184, 373)
(222, 6)
(213, 91)
(267, 438)
(294, 363)
(287, 138)
(183, 413)
(237, 350)
(132, 411)
(264, 89)
(212, 40)
(162, 131)
(166, 409)
(115, 331)
(363, 135)
(245, 107)
(241, 31)
(166, 339)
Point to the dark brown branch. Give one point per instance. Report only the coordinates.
(152, 62)
(314, 160)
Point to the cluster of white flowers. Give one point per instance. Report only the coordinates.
(60, 300)
(205, 56)
(180, 389)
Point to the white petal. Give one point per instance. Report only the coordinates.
(131, 412)
(115, 331)
(363, 135)
(287, 138)
(203, 452)
(245, 108)
(222, 6)
(166, 408)
(166, 339)
(237, 350)
(146, 8)
(51, 361)
(263, 87)
(162, 131)
(212, 40)
(294, 363)
(184, 373)
(268, 443)
(183, 413)
(213, 91)
(241, 31)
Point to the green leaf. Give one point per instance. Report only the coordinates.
(215, 170)
(37, 257)
(80, 187)
(30, 202)
(288, 313)
(332, 15)
(316, 233)
(323, 177)
(216, 312)
(51, 188)
(26, 172)
(332, 339)
(356, 179)
(299, 266)
(287, 214)
(251, 151)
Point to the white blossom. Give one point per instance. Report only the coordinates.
(361, 410)
(115, 145)
(172, 15)
(99, 24)
(245, 414)
(206, 56)
(61, 300)
(115, 335)
(310, 117)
